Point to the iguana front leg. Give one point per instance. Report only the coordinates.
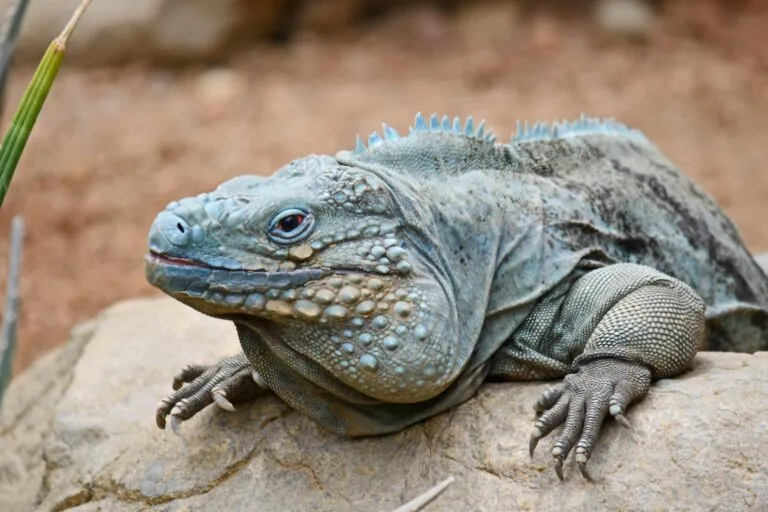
(232, 379)
(635, 325)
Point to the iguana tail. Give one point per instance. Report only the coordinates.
(739, 327)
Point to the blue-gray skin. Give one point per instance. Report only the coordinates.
(382, 286)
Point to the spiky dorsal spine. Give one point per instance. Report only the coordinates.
(584, 126)
(434, 125)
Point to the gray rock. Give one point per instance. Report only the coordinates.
(113, 32)
(77, 432)
(26, 419)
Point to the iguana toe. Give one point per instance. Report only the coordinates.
(585, 398)
(573, 425)
(547, 399)
(549, 420)
(594, 414)
(243, 385)
(231, 380)
(188, 374)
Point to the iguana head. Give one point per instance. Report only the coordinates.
(319, 258)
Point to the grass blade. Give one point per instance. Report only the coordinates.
(32, 102)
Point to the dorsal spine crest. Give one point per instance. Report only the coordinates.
(435, 124)
(583, 126)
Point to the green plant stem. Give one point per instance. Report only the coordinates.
(32, 103)
(21, 126)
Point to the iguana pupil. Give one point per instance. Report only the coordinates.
(290, 223)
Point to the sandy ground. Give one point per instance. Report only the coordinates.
(113, 147)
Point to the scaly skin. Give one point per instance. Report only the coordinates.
(382, 286)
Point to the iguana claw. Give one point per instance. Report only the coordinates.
(582, 402)
(220, 397)
(231, 380)
(557, 463)
(582, 457)
(176, 424)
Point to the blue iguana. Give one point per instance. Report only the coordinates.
(383, 285)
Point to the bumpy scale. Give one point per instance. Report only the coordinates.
(384, 285)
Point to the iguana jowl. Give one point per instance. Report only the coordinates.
(381, 286)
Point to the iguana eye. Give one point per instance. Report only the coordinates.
(291, 225)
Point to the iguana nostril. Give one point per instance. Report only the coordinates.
(169, 230)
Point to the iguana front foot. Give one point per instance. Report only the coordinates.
(232, 379)
(581, 403)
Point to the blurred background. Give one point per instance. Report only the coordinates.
(160, 99)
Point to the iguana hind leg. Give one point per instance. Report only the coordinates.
(232, 379)
(627, 324)
(651, 332)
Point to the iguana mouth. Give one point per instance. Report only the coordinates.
(182, 276)
(175, 260)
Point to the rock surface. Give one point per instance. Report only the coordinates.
(77, 433)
